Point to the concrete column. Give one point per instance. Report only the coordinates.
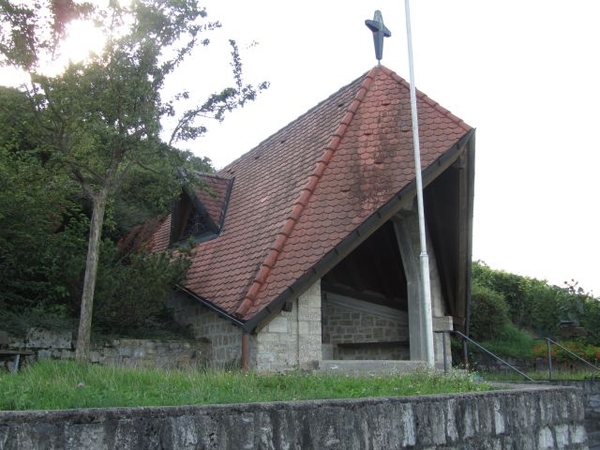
(406, 225)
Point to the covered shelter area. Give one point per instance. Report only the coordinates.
(305, 250)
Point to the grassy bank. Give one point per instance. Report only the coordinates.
(66, 384)
(541, 375)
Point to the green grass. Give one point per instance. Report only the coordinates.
(541, 375)
(66, 384)
(511, 342)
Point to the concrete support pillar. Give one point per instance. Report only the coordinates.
(406, 225)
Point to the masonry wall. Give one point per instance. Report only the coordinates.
(292, 339)
(44, 344)
(530, 419)
(354, 329)
(591, 403)
(223, 338)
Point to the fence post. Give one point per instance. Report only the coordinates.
(549, 347)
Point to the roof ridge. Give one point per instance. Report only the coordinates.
(429, 100)
(228, 167)
(304, 197)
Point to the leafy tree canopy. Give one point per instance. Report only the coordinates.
(101, 119)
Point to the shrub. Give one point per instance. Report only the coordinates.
(131, 296)
(489, 312)
(585, 351)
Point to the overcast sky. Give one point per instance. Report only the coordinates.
(525, 73)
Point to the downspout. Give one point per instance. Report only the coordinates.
(245, 352)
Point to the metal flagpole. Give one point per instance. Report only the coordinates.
(426, 315)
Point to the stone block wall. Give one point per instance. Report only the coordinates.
(151, 354)
(348, 322)
(224, 339)
(534, 418)
(591, 403)
(292, 339)
(381, 352)
(46, 344)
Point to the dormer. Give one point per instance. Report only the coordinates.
(199, 213)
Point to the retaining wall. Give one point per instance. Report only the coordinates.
(117, 352)
(591, 404)
(533, 418)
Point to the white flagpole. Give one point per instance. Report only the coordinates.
(426, 314)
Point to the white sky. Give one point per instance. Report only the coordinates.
(525, 73)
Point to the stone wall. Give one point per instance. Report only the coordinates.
(117, 352)
(224, 338)
(359, 330)
(292, 339)
(151, 354)
(591, 403)
(527, 419)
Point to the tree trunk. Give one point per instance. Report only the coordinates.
(82, 349)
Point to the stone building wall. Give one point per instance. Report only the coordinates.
(224, 338)
(292, 339)
(354, 329)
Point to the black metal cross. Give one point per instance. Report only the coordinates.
(379, 32)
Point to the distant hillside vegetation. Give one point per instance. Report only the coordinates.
(510, 311)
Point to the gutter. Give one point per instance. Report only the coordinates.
(245, 362)
(221, 313)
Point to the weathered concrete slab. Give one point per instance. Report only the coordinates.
(369, 367)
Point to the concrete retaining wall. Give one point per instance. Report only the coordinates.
(529, 419)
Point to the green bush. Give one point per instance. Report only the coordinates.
(489, 312)
(514, 289)
(131, 296)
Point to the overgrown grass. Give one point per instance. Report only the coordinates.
(511, 342)
(66, 385)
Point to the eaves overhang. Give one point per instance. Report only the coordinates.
(211, 306)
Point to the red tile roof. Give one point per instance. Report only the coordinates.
(213, 192)
(305, 189)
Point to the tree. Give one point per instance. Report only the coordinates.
(102, 117)
(32, 201)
